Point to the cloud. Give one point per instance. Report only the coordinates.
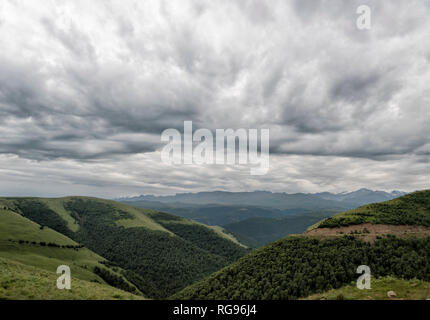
(84, 83)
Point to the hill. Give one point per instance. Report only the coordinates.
(24, 241)
(256, 232)
(23, 282)
(260, 217)
(405, 290)
(411, 209)
(158, 253)
(299, 266)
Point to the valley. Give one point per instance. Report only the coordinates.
(118, 251)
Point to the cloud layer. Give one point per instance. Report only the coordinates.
(87, 88)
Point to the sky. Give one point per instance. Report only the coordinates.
(87, 88)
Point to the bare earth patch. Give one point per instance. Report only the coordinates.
(368, 232)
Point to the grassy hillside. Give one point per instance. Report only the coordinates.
(405, 290)
(23, 282)
(411, 209)
(158, 253)
(298, 266)
(26, 242)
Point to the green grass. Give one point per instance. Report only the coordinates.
(22, 282)
(16, 227)
(405, 289)
(159, 253)
(411, 209)
(20, 241)
(57, 205)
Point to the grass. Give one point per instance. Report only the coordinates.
(14, 229)
(94, 222)
(411, 209)
(404, 289)
(223, 233)
(57, 205)
(23, 282)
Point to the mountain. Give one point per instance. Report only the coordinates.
(362, 196)
(256, 232)
(300, 266)
(259, 217)
(156, 253)
(412, 209)
(282, 201)
(28, 251)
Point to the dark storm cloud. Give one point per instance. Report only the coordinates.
(85, 82)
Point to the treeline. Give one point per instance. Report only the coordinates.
(297, 267)
(202, 237)
(158, 263)
(43, 215)
(49, 244)
(412, 209)
(115, 280)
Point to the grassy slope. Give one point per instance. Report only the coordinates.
(405, 289)
(151, 241)
(23, 282)
(20, 240)
(411, 209)
(15, 227)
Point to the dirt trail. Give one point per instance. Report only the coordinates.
(369, 232)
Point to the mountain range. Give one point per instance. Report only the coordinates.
(117, 251)
(260, 217)
(324, 200)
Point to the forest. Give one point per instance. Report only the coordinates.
(296, 267)
(411, 209)
(159, 264)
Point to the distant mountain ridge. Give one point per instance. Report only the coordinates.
(260, 217)
(323, 200)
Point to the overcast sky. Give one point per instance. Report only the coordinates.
(87, 87)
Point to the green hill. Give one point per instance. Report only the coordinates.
(411, 209)
(26, 242)
(299, 266)
(23, 282)
(256, 232)
(405, 290)
(156, 252)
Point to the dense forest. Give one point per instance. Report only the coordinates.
(41, 214)
(156, 262)
(298, 266)
(255, 232)
(411, 209)
(201, 236)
